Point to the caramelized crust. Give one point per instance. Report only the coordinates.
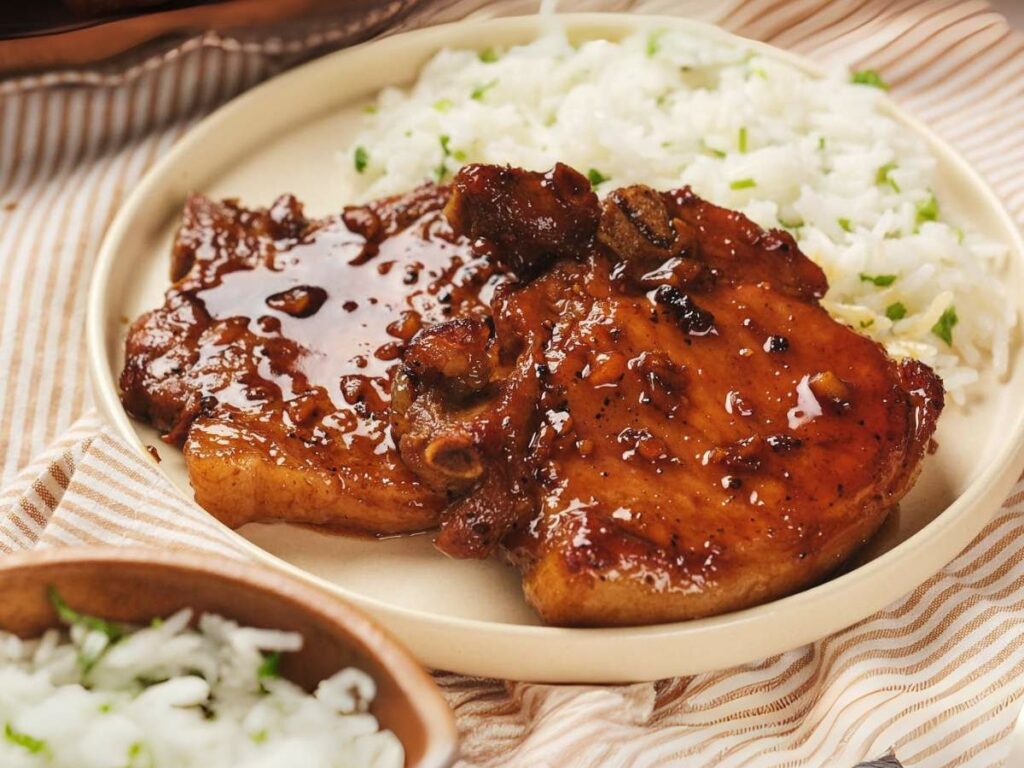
(531, 220)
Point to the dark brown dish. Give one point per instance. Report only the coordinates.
(639, 400)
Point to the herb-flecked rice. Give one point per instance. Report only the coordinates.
(102, 695)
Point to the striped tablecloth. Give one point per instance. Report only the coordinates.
(936, 677)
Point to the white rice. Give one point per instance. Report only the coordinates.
(167, 696)
(822, 158)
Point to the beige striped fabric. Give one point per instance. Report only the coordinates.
(936, 677)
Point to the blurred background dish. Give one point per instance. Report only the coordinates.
(60, 33)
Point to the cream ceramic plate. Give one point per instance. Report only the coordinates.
(470, 616)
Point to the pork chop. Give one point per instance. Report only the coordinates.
(660, 422)
(270, 360)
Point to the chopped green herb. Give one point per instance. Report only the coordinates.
(758, 72)
(869, 77)
(654, 41)
(741, 140)
(459, 155)
(596, 177)
(156, 622)
(71, 617)
(105, 708)
(86, 663)
(481, 90)
(867, 323)
(928, 210)
(443, 105)
(370, 109)
(360, 159)
(794, 224)
(959, 234)
(821, 142)
(139, 750)
(442, 167)
(743, 184)
(896, 311)
(944, 327)
(845, 225)
(712, 150)
(488, 56)
(270, 665)
(260, 736)
(23, 740)
(882, 281)
(883, 177)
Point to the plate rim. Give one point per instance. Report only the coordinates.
(981, 497)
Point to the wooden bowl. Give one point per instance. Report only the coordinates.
(136, 585)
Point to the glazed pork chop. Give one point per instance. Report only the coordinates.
(639, 401)
(658, 421)
(270, 359)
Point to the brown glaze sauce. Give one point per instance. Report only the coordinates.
(329, 313)
(369, 302)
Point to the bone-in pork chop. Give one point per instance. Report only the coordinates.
(270, 360)
(660, 422)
